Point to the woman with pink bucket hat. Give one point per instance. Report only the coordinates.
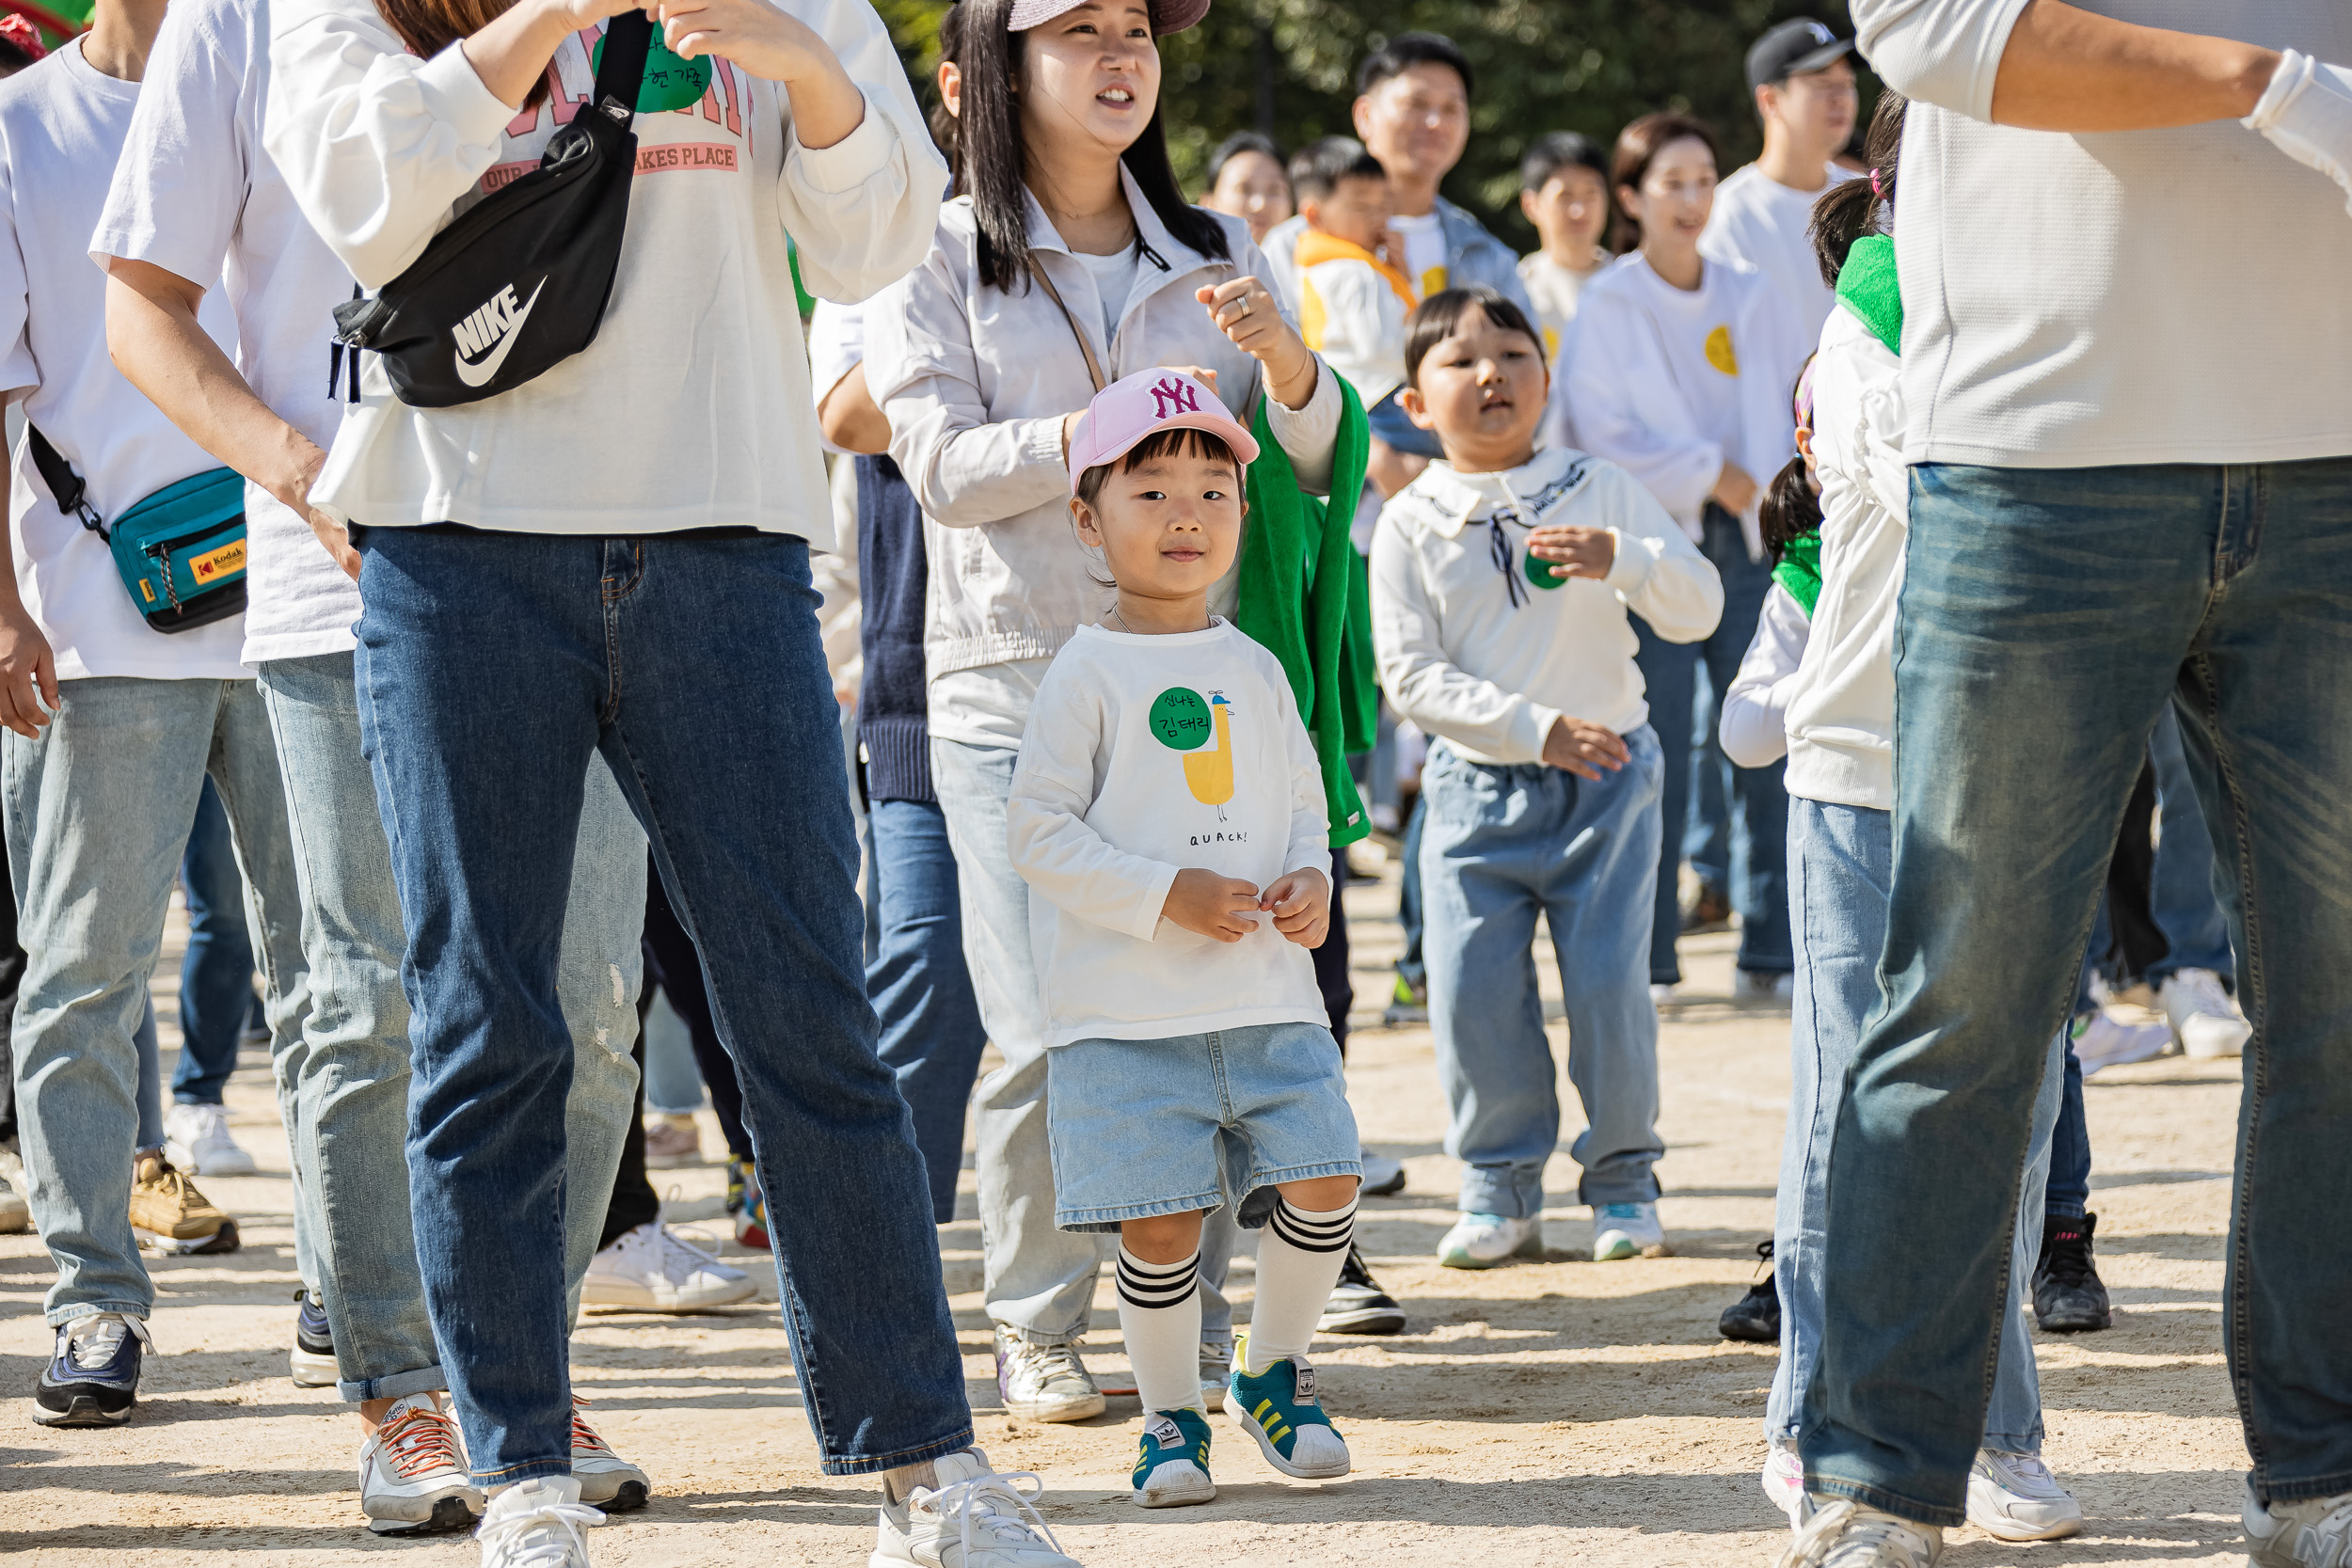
(1070, 259)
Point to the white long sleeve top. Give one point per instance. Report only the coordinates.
(692, 408)
(1489, 666)
(1145, 757)
(2134, 296)
(1754, 728)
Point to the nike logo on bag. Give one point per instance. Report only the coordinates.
(494, 328)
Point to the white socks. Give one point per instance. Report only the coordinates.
(1300, 1252)
(1159, 1313)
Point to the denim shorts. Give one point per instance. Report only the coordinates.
(1142, 1128)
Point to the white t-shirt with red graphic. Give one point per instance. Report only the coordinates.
(692, 406)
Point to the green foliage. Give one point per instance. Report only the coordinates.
(1288, 67)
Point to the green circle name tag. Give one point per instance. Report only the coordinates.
(1180, 718)
(1539, 571)
(671, 81)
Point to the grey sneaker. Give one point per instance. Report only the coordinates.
(2313, 1535)
(1045, 1383)
(1841, 1533)
(14, 1215)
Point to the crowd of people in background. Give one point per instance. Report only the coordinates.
(1015, 666)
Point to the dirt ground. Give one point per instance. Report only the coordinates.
(1558, 1412)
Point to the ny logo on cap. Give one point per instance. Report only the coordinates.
(1172, 396)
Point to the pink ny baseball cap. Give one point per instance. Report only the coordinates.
(1134, 406)
(1168, 16)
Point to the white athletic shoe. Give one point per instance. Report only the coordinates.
(1486, 1240)
(2013, 1496)
(1663, 993)
(536, 1524)
(973, 1518)
(606, 1480)
(2314, 1534)
(1844, 1534)
(2103, 1040)
(1754, 988)
(1045, 1383)
(196, 1140)
(1784, 1479)
(412, 1473)
(1622, 1231)
(653, 1269)
(2204, 1016)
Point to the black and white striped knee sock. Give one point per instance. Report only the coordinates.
(1159, 1314)
(1299, 1255)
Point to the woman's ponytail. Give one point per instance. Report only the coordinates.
(1850, 209)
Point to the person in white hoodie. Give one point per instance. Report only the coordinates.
(1669, 373)
(614, 558)
(1502, 580)
(1067, 259)
(1818, 683)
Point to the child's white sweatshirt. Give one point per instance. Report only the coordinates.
(1478, 643)
(1351, 310)
(1754, 728)
(1145, 757)
(1841, 721)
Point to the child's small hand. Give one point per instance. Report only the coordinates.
(1584, 747)
(1575, 552)
(1248, 314)
(1211, 905)
(1301, 903)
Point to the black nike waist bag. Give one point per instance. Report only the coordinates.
(519, 282)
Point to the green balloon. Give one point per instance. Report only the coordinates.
(1180, 718)
(1539, 572)
(670, 80)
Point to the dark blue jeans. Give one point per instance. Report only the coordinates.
(2049, 616)
(217, 974)
(1410, 965)
(490, 667)
(932, 1034)
(2181, 894)
(1759, 805)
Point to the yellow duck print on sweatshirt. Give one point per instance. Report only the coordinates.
(1181, 721)
(1209, 774)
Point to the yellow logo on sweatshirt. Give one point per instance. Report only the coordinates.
(1718, 351)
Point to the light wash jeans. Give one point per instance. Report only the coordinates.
(99, 811)
(1502, 845)
(1037, 1281)
(352, 1091)
(2049, 615)
(1839, 862)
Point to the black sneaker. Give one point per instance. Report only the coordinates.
(2068, 1297)
(312, 1363)
(1357, 1304)
(94, 1380)
(1754, 1317)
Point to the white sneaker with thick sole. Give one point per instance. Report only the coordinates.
(973, 1518)
(196, 1140)
(412, 1473)
(1622, 1231)
(653, 1269)
(2013, 1496)
(1045, 1383)
(606, 1480)
(2104, 1040)
(1490, 1241)
(1841, 1533)
(2204, 1016)
(1784, 1479)
(2314, 1534)
(536, 1524)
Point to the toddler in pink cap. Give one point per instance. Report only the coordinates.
(1167, 813)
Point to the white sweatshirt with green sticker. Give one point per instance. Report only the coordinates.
(1145, 757)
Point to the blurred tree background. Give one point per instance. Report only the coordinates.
(1287, 67)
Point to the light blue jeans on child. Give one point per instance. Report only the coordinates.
(1502, 845)
(1840, 861)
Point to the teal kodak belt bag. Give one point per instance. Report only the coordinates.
(180, 552)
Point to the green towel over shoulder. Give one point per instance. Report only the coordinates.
(1865, 286)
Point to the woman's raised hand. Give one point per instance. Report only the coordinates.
(1247, 313)
(826, 104)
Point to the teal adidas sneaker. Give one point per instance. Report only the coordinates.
(1173, 1468)
(1277, 1407)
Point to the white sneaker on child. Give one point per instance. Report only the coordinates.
(536, 1524)
(1484, 1241)
(1784, 1479)
(1622, 1231)
(973, 1518)
(1844, 1534)
(2013, 1496)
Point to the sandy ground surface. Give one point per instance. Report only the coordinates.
(1560, 1411)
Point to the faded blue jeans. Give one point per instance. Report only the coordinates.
(1502, 845)
(1839, 858)
(352, 1090)
(99, 811)
(492, 668)
(2048, 617)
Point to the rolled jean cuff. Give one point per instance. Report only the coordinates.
(2013, 1444)
(530, 1470)
(955, 1442)
(2066, 1210)
(1617, 1187)
(1029, 1337)
(424, 1380)
(1503, 1191)
(74, 1311)
(1885, 1501)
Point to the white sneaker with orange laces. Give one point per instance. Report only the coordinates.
(606, 1480)
(412, 1474)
